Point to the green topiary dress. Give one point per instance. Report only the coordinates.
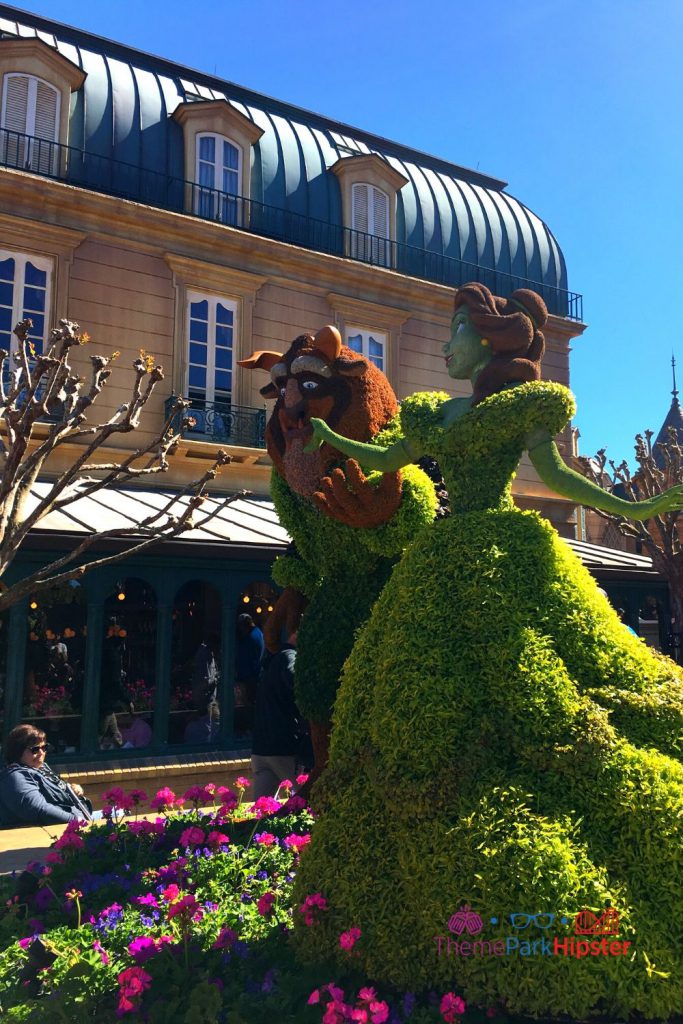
(502, 740)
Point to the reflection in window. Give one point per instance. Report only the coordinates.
(128, 671)
(256, 604)
(195, 666)
(4, 629)
(55, 659)
(651, 620)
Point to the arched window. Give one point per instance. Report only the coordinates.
(195, 664)
(370, 224)
(218, 177)
(30, 123)
(128, 669)
(24, 292)
(55, 665)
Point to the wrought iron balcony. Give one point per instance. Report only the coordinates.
(129, 181)
(220, 422)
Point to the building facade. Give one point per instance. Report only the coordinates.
(167, 210)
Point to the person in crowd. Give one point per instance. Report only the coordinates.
(30, 792)
(205, 727)
(135, 731)
(206, 670)
(278, 727)
(110, 737)
(250, 648)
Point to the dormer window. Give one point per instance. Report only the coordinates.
(370, 224)
(30, 122)
(36, 84)
(218, 141)
(218, 173)
(369, 186)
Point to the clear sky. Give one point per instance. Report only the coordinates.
(577, 104)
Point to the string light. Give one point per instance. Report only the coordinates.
(33, 605)
(121, 596)
(246, 599)
(258, 610)
(270, 607)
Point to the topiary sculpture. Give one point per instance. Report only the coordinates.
(348, 529)
(501, 741)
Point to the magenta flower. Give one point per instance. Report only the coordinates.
(301, 780)
(451, 1006)
(192, 836)
(266, 805)
(266, 903)
(242, 783)
(379, 1012)
(198, 795)
(138, 796)
(142, 948)
(69, 841)
(287, 784)
(217, 839)
(226, 938)
(367, 995)
(186, 907)
(104, 956)
(347, 940)
(164, 798)
(171, 893)
(310, 907)
(266, 839)
(148, 900)
(296, 842)
(133, 982)
(53, 857)
(294, 803)
(227, 798)
(314, 997)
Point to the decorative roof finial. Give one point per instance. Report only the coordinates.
(673, 370)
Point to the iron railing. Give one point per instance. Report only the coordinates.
(88, 170)
(219, 422)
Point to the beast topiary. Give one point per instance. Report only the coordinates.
(348, 528)
(501, 740)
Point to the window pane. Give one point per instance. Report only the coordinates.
(35, 276)
(223, 380)
(4, 629)
(257, 600)
(199, 331)
(197, 377)
(224, 358)
(6, 294)
(199, 310)
(38, 329)
(230, 181)
(198, 354)
(194, 714)
(128, 669)
(207, 148)
(34, 300)
(224, 315)
(355, 342)
(376, 348)
(5, 316)
(7, 270)
(224, 336)
(231, 156)
(207, 177)
(55, 661)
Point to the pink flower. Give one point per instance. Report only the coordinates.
(186, 907)
(138, 796)
(314, 997)
(53, 857)
(217, 839)
(336, 992)
(116, 797)
(296, 842)
(367, 995)
(198, 795)
(104, 957)
(266, 839)
(266, 805)
(301, 780)
(295, 803)
(226, 938)
(171, 893)
(25, 943)
(451, 1006)
(287, 784)
(192, 836)
(148, 900)
(347, 940)
(310, 905)
(69, 841)
(164, 798)
(266, 903)
(359, 1014)
(242, 783)
(142, 948)
(133, 982)
(226, 797)
(379, 1012)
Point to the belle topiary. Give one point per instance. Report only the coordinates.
(501, 741)
(348, 528)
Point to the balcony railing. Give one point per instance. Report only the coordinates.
(220, 422)
(129, 181)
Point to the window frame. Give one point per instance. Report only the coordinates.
(42, 263)
(366, 334)
(31, 104)
(225, 206)
(192, 296)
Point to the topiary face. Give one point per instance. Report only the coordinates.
(465, 354)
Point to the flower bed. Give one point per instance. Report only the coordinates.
(184, 917)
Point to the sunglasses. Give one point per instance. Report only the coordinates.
(38, 748)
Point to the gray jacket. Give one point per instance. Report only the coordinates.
(37, 796)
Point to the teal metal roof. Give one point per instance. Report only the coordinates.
(123, 113)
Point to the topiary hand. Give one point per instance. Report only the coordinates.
(669, 501)
(285, 617)
(351, 499)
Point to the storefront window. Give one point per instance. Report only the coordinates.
(55, 659)
(4, 630)
(195, 665)
(256, 604)
(651, 620)
(128, 670)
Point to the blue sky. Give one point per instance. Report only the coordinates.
(577, 104)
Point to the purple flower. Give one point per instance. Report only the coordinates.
(262, 875)
(408, 1003)
(246, 897)
(268, 981)
(43, 898)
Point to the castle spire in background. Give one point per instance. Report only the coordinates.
(674, 418)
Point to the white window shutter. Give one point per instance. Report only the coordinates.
(46, 112)
(16, 103)
(361, 210)
(380, 213)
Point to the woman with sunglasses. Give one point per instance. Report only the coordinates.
(30, 792)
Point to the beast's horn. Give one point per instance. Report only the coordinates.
(261, 360)
(328, 341)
